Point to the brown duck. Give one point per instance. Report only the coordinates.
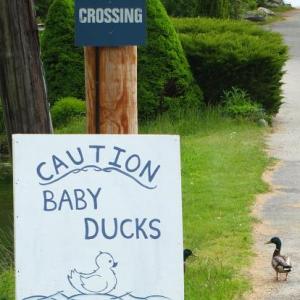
(280, 263)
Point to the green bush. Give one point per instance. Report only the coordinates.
(65, 109)
(226, 54)
(165, 81)
(42, 7)
(63, 61)
(193, 8)
(238, 105)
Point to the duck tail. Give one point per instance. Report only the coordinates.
(75, 281)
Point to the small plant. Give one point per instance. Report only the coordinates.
(238, 105)
(66, 109)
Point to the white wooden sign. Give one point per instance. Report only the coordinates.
(98, 217)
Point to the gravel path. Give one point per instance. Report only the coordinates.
(280, 210)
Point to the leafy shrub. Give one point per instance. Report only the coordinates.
(238, 105)
(42, 7)
(165, 81)
(63, 61)
(193, 8)
(65, 109)
(224, 54)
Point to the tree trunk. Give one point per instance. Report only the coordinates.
(22, 85)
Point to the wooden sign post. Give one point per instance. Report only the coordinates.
(111, 89)
(110, 30)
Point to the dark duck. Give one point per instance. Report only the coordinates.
(186, 254)
(280, 263)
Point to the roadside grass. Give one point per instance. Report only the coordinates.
(222, 164)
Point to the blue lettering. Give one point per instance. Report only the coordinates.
(58, 163)
(88, 234)
(115, 163)
(158, 233)
(79, 197)
(98, 148)
(151, 175)
(48, 200)
(78, 162)
(137, 163)
(38, 169)
(122, 229)
(65, 198)
(95, 197)
(104, 231)
(140, 229)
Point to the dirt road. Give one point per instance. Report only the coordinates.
(280, 211)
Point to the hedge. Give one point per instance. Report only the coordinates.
(226, 54)
(192, 8)
(165, 81)
(66, 109)
(63, 62)
(209, 8)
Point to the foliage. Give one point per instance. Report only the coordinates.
(208, 8)
(238, 104)
(42, 7)
(165, 81)
(7, 280)
(63, 61)
(227, 53)
(65, 109)
(7, 285)
(192, 8)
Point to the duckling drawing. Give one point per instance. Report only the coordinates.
(100, 282)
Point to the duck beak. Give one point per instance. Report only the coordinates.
(269, 242)
(115, 264)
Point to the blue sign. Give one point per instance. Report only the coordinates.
(110, 22)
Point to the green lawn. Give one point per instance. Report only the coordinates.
(222, 164)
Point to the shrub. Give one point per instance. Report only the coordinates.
(193, 8)
(63, 61)
(224, 54)
(165, 81)
(238, 105)
(65, 109)
(42, 7)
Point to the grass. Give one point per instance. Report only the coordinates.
(222, 164)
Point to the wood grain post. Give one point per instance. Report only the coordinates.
(22, 85)
(111, 90)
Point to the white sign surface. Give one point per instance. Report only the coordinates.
(98, 217)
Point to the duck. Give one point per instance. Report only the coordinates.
(186, 254)
(280, 263)
(99, 282)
